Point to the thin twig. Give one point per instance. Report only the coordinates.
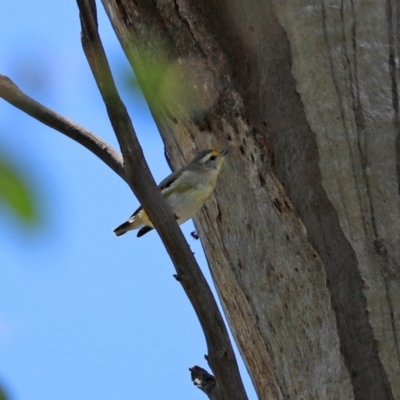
(220, 353)
(10, 92)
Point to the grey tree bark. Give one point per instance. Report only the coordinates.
(302, 236)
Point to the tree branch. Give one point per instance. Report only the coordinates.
(204, 381)
(10, 92)
(221, 356)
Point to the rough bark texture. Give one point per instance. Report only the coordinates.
(221, 357)
(302, 236)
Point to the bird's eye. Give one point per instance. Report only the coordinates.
(212, 158)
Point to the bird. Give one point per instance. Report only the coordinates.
(185, 191)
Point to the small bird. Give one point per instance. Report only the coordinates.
(185, 191)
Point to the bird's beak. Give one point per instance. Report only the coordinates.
(224, 152)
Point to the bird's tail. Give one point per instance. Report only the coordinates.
(123, 228)
(138, 219)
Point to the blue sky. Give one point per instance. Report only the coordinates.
(83, 314)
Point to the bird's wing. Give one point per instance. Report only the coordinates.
(169, 180)
(134, 214)
(165, 184)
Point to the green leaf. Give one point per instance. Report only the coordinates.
(15, 193)
(2, 394)
(180, 87)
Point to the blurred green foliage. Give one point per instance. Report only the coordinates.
(2, 394)
(180, 87)
(16, 194)
(164, 85)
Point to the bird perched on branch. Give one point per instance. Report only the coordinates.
(185, 191)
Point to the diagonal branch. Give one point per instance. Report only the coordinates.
(221, 356)
(10, 92)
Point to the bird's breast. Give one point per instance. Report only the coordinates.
(186, 205)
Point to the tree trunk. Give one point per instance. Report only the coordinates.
(302, 236)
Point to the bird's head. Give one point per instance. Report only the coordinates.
(209, 160)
